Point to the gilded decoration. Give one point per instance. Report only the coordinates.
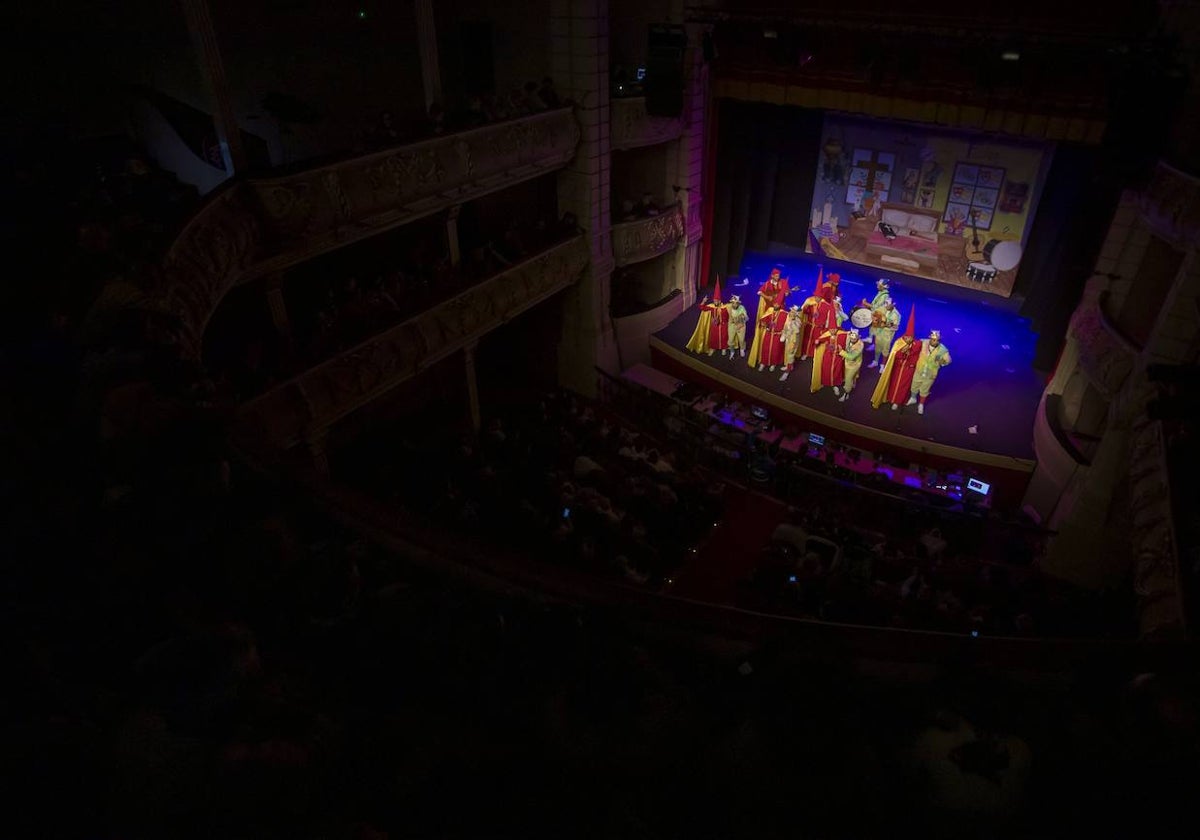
(645, 239)
(1103, 357)
(1170, 204)
(633, 127)
(336, 387)
(204, 262)
(1152, 532)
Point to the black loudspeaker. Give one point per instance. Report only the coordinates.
(665, 44)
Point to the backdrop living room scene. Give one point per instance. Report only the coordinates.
(945, 206)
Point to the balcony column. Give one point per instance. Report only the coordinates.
(452, 243)
(431, 73)
(208, 53)
(472, 385)
(579, 61)
(689, 175)
(277, 305)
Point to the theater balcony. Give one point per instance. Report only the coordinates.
(303, 408)
(645, 239)
(261, 226)
(632, 127)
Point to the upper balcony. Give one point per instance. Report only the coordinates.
(303, 407)
(645, 239)
(262, 225)
(631, 127)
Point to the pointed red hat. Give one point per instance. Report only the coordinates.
(717, 292)
(820, 279)
(910, 330)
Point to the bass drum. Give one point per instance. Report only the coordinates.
(1004, 255)
(861, 317)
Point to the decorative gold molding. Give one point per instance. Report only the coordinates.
(1104, 357)
(268, 224)
(314, 400)
(1170, 205)
(633, 128)
(644, 239)
(1156, 558)
(1019, 123)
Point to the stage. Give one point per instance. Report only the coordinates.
(990, 386)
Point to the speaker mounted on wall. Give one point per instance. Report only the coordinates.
(665, 44)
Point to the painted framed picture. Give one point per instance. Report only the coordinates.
(862, 157)
(957, 213)
(985, 198)
(859, 176)
(883, 181)
(961, 193)
(1013, 198)
(854, 195)
(966, 173)
(983, 217)
(931, 172)
(991, 176)
(925, 198)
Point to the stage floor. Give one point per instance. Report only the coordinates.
(990, 387)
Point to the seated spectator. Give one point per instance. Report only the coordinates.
(436, 119)
(647, 206)
(585, 466)
(628, 213)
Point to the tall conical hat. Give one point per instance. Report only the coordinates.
(910, 331)
(717, 290)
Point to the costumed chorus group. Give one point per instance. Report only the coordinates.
(814, 330)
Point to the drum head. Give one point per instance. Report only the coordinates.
(1006, 255)
(861, 317)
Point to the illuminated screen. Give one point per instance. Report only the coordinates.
(945, 206)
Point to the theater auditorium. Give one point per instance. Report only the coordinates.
(597, 418)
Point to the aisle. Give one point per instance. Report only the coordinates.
(732, 549)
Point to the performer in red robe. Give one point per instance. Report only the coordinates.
(829, 289)
(829, 367)
(772, 292)
(821, 317)
(718, 328)
(895, 382)
(773, 341)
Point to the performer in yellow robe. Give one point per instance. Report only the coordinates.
(737, 325)
(853, 355)
(934, 356)
(884, 323)
(699, 342)
(791, 340)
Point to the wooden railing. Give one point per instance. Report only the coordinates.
(254, 227)
(301, 408)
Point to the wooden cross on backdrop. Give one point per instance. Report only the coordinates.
(873, 166)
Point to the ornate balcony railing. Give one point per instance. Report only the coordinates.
(1170, 204)
(1105, 356)
(303, 407)
(645, 239)
(254, 227)
(1156, 579)
(632, 127)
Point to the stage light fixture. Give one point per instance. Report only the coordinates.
(771, 34)
(1010, 55)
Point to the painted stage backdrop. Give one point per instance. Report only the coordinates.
(946, 206)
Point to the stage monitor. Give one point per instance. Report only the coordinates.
(816, 440)
(955, 207)
(978, 486)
